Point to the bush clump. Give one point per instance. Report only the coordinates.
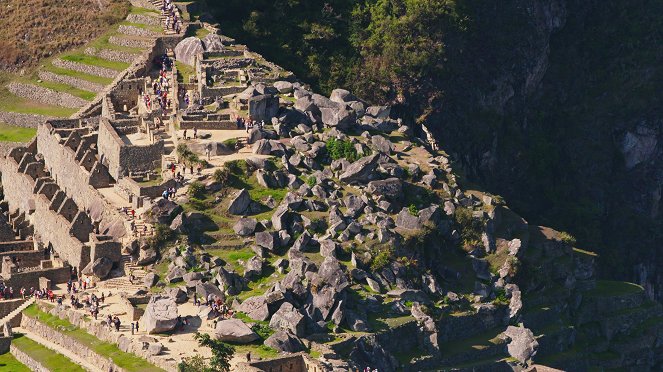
(567, 238)
(196, 190)
(341, 149)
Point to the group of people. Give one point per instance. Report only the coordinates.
(217, 305)
(169, 193)
(172, 20)
(83, 284)
(6, 292)
(179, 176)
(249, 123)
(113, 322)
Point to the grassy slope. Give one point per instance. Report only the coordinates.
(46, 357)
(9, 363)
(124, 360)
(10, 133)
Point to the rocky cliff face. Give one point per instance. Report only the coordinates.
(562, 117)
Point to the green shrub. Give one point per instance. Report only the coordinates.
(500, 297)
(195, 363)
(162, 234)
(567, 238)
(196, 190)
(471, 227)
(341, 149)
(262, 330)
(311, 181)
(237, 167)
(413, 210)
(381, 258)
(222, 176)
(222, 352)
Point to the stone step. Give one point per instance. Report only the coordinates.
(86, 69)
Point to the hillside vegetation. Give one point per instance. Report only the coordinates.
(36, 29)
(534, 98)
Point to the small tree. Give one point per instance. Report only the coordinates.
(222, 176)
(193, 364)
(196, 190)
(221, 352)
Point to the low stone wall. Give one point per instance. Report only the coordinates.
(24, 245)
(136, 31)
(292, 363)
(45, 95)
(69, 343)
(86, 69)
(70, 80)
(111, 55)
(103, 333)
(5, 343)
(7, 306)
(23, 120)
(27, 279)
(143, 19)
(209, 125)
(27, 360)
(131, 43)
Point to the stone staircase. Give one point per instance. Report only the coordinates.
(158, 4)
(123, 283)
(10, 317)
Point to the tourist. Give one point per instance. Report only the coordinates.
(185, 134)
(133, 213)
(195, 133)
(136, 327)
(132, 328)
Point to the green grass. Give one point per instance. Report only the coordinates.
(9, 363)
(76, 74)
(13, 103)
(95, 61)
(64, 88)
(124, 360)
(232, 256)
(184, 71)
(10, 133)
(103, 42)
(46, 357)
(143, 26)
(606, 288)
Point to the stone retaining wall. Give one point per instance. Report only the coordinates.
(136, 31)
(70, 80)
(102, 332)
(112, 55)
(45, 95)
(23, 120)
(144, 19)
(27, 360)
(7, 306)
(208, 125)
(130, 43)
(86, 69)
(69, 343)
(5, 147)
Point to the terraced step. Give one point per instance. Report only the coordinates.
(112, 55)
(72, 81)
(136, 31)
(47, 357)
(146, 19)
(85, 68)
(130, 42)
(45, 95)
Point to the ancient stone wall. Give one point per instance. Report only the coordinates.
(23, 245)
(7, 306)
(126, 93)
(75, 180)
(27, 258)
(207, 92)
(105, 246)
(291, 363)
(109, 144)
(24, 358)
(69, 343)
(30, 278)
(103, 333)
(208, 125)
(52, 228)
(22, 120)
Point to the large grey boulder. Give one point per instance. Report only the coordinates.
(283, 86)
(100, 268)
(391, 188)
(382, 144)
(150, 279)
(160, 315)
(362, 170)
(234, 330)
(253, 268)
(263, 107)
(205, 289)
(289, 318)
(284, 341)
(379, 112)
(176, 274)
(176, 294)
(163, 212)
(146, 255)
(338, 117)
(522, 344)
(245, 226)
(212, 43)
(240, 203)
(187, 50)
(255, 308)
(342, 96)
(267, 240)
